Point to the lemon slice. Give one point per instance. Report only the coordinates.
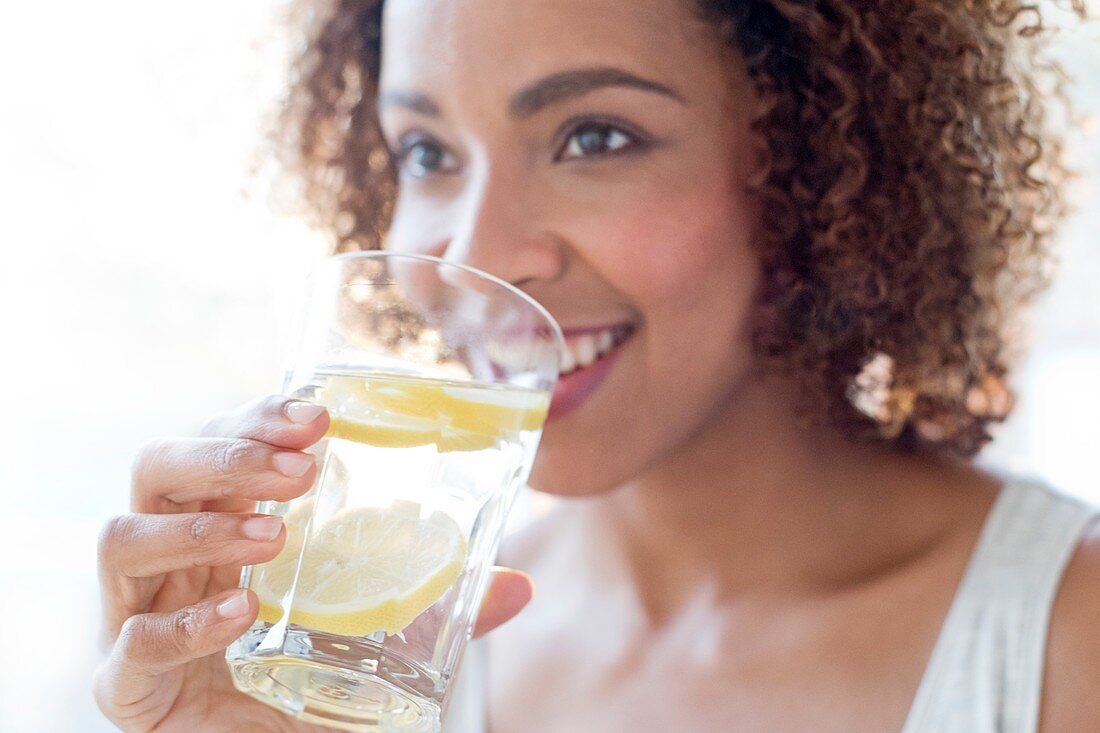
(483, 410)
(411, 399)
(393, 413)
(384, 432)
(365, 569)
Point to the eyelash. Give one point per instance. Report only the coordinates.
(571, 128)
(567, 133)
(408, 144)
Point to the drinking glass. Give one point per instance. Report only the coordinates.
(437, 378)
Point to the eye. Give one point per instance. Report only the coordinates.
(595, 138)
(419, 156)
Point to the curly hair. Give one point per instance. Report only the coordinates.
(909, 181)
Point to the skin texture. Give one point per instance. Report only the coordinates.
(167, 566)
(757, 574)
(909, 179)
(722, 566)
(596, 241)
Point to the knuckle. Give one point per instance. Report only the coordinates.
(147, 639)
(200, 528)
(183, 631)
(150, 454)
(115, 530)
(185, 627)
(228, 456)
(132, 636)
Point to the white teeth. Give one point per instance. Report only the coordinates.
(511, 354)
(568, 363)
(606, 342)
(586, 350)
(581, 351)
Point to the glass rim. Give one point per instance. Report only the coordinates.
(538, 307)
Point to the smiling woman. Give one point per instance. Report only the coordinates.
(606, 179)
(889, 177)
(787, 243)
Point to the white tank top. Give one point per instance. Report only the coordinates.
(986, 669)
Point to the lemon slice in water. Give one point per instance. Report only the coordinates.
(365, 569)
(385, 431)
(391, 413)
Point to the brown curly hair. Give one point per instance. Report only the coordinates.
(910, 189)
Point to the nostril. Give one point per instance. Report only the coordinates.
(523, 282)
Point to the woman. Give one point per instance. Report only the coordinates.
(808, 228)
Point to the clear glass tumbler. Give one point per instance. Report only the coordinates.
(437, 378)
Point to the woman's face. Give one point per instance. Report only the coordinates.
(595, 153)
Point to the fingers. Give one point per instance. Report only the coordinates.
(169, 475)
(250, 454)
(136, 547)
(509, 591)
(129, 685)
(146, 545)
(277, 420)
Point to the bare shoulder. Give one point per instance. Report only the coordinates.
(1072, 677)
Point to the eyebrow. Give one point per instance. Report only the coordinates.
(578, 82)
(544, 92)
(410, 100)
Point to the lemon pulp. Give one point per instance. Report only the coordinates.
(396, 413)
(365, 569)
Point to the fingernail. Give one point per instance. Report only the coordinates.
(262, 528)
(293, 465)
(302, 413)
(233, 607)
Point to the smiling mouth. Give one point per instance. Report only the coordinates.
(586, 346)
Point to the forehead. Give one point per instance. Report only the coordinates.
(496, 46)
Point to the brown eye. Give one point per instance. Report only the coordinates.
(594, 138)
(422, 157)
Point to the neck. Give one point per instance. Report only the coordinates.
(758, 503)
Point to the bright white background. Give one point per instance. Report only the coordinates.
(145, 278)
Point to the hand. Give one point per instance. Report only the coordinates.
(169, 570)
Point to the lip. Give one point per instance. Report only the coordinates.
(574, 388)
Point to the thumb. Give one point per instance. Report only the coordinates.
(509, 591)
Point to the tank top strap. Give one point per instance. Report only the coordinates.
(986, 669)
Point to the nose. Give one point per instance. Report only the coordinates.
(500, 229)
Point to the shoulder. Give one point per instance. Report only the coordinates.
(1072, 675)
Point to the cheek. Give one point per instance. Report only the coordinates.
(671, 247)
(683, 257)
(419, 225)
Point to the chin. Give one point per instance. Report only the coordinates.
(574, 471)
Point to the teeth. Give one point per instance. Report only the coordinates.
(606, 342)
(568, 363)
(581, 351)
(586, 350)
(511, 354)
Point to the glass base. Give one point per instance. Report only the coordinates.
(337, 695)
